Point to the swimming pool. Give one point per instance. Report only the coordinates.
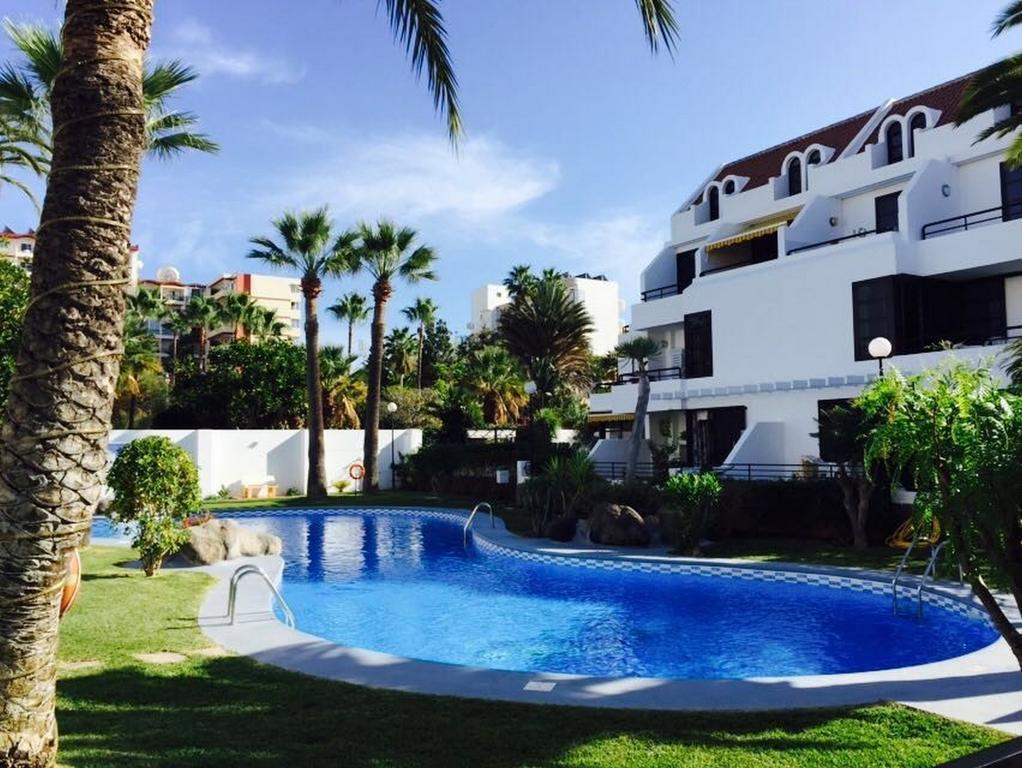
(403, 582)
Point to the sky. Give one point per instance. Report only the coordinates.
(578, 146)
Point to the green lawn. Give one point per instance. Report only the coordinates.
(233, 712)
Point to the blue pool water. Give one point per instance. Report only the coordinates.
(408, 586)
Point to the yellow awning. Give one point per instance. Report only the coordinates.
(602, 418)
(749, 234)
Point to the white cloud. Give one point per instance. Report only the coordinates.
(420, 177)
(194, 43)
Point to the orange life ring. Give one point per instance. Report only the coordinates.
(73, 582)
(356, 471)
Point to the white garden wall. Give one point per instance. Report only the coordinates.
(226, 458)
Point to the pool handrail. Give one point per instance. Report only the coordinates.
(928, 574)
(901, 567)
(232, 596)
(472, 515)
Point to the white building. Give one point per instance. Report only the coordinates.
(19, 247)
(783, 266)
(599, 296)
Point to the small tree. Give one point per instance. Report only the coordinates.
(960, 436)
(691, 501)
(843, 432)
(156, 486)
(639, 350)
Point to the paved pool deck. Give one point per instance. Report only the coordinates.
(984, 687)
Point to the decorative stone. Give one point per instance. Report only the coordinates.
(617, 525)
(218, 540)
(562, 529)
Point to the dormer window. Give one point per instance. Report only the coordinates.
(713, 196)
(794, 176)
(729, 187)
(895, 149)
(917, 123)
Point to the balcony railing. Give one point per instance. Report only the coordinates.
(966, 220)
(662, 292)
(806, 471)
(654, 374)
(834, 241)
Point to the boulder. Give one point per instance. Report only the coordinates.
(562, 529)
(218, 540)
(617, 525)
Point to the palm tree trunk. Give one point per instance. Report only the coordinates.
(351, 329)
(315, 484)
(173, 360)
(132, 403)
(53, 443)
(638, 425)
(381, 292)
(421, 335)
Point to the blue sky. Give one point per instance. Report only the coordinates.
(579, 143)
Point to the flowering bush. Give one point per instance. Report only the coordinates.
(691, 502)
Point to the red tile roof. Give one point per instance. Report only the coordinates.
(764, 165)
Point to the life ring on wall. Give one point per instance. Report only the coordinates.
(72, 583)
(356, 471)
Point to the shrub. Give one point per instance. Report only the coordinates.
(224, 493)
(156, 486)
(644, 497)
(691, 500)
(341, 485)
(292, 491)
(566, 486)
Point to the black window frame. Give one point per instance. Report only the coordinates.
(794, 177)
(885, 212)
(685, 268)
(713, 196)
(912, 128)
(895, 149)
(729, 187)
(698, 329)
(1011, 192)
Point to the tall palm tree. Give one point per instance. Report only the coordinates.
(54, 439)
(548, 332)
(26, 87)
(263, 324)
(239, 310)
(495, 377)
(308, 247)
(386, 253)
(639, 350)
(344, 392)
(204, 314)
(352, 308)
(141, 356)
(424, 313)
(399, 354)
(519, 280)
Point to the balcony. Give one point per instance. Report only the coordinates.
(836, 240)
(653, 374)
(660, 293)
(965, 221)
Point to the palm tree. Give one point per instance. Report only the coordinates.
(424, 313)
(19, 149)
(264, 324)
(146, 304)
(352, 308)
(178, 324)
(25, 91)
(141, 356)
(76, 317)
(495, 377)
(308, 247)
(386, 253)
(240, 311)
(548, 332)
(204, 314)
(639, 350)
(519, 280)
(344, 393)
(399, 354)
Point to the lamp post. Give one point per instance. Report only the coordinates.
(391, 410)
(880, 348)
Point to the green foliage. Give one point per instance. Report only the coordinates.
(457, 412)
(466, 468)
(644, 497)
(14, 287)
(400, 353)
(567, 486)
(156, 486)
(416, 409)
(341, 486)
(691, 500)
(959, 436)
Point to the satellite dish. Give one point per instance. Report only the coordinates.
(168, 275)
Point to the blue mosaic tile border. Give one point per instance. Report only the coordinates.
(834, 581)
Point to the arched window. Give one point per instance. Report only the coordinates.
(729, 187)
(917, 123)
(895, 150)
(714, 198)
(794, 176)
(813, 158)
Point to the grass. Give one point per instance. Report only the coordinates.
(234, 712)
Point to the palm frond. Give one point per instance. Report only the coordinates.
(168, 145)
(1010, 17)
(659, 24)
(161, 80)
(20, 186)
(42, 50)
(994, 86)
(419, 26)
(271, 253)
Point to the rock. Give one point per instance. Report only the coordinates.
(218, 540)
(617, 525)
(562, 529)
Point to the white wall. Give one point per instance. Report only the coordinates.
(228, 457)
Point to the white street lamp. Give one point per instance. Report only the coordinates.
(880, 348)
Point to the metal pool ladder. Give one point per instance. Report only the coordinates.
(232, 595)
(928, 573)
(471, 517)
